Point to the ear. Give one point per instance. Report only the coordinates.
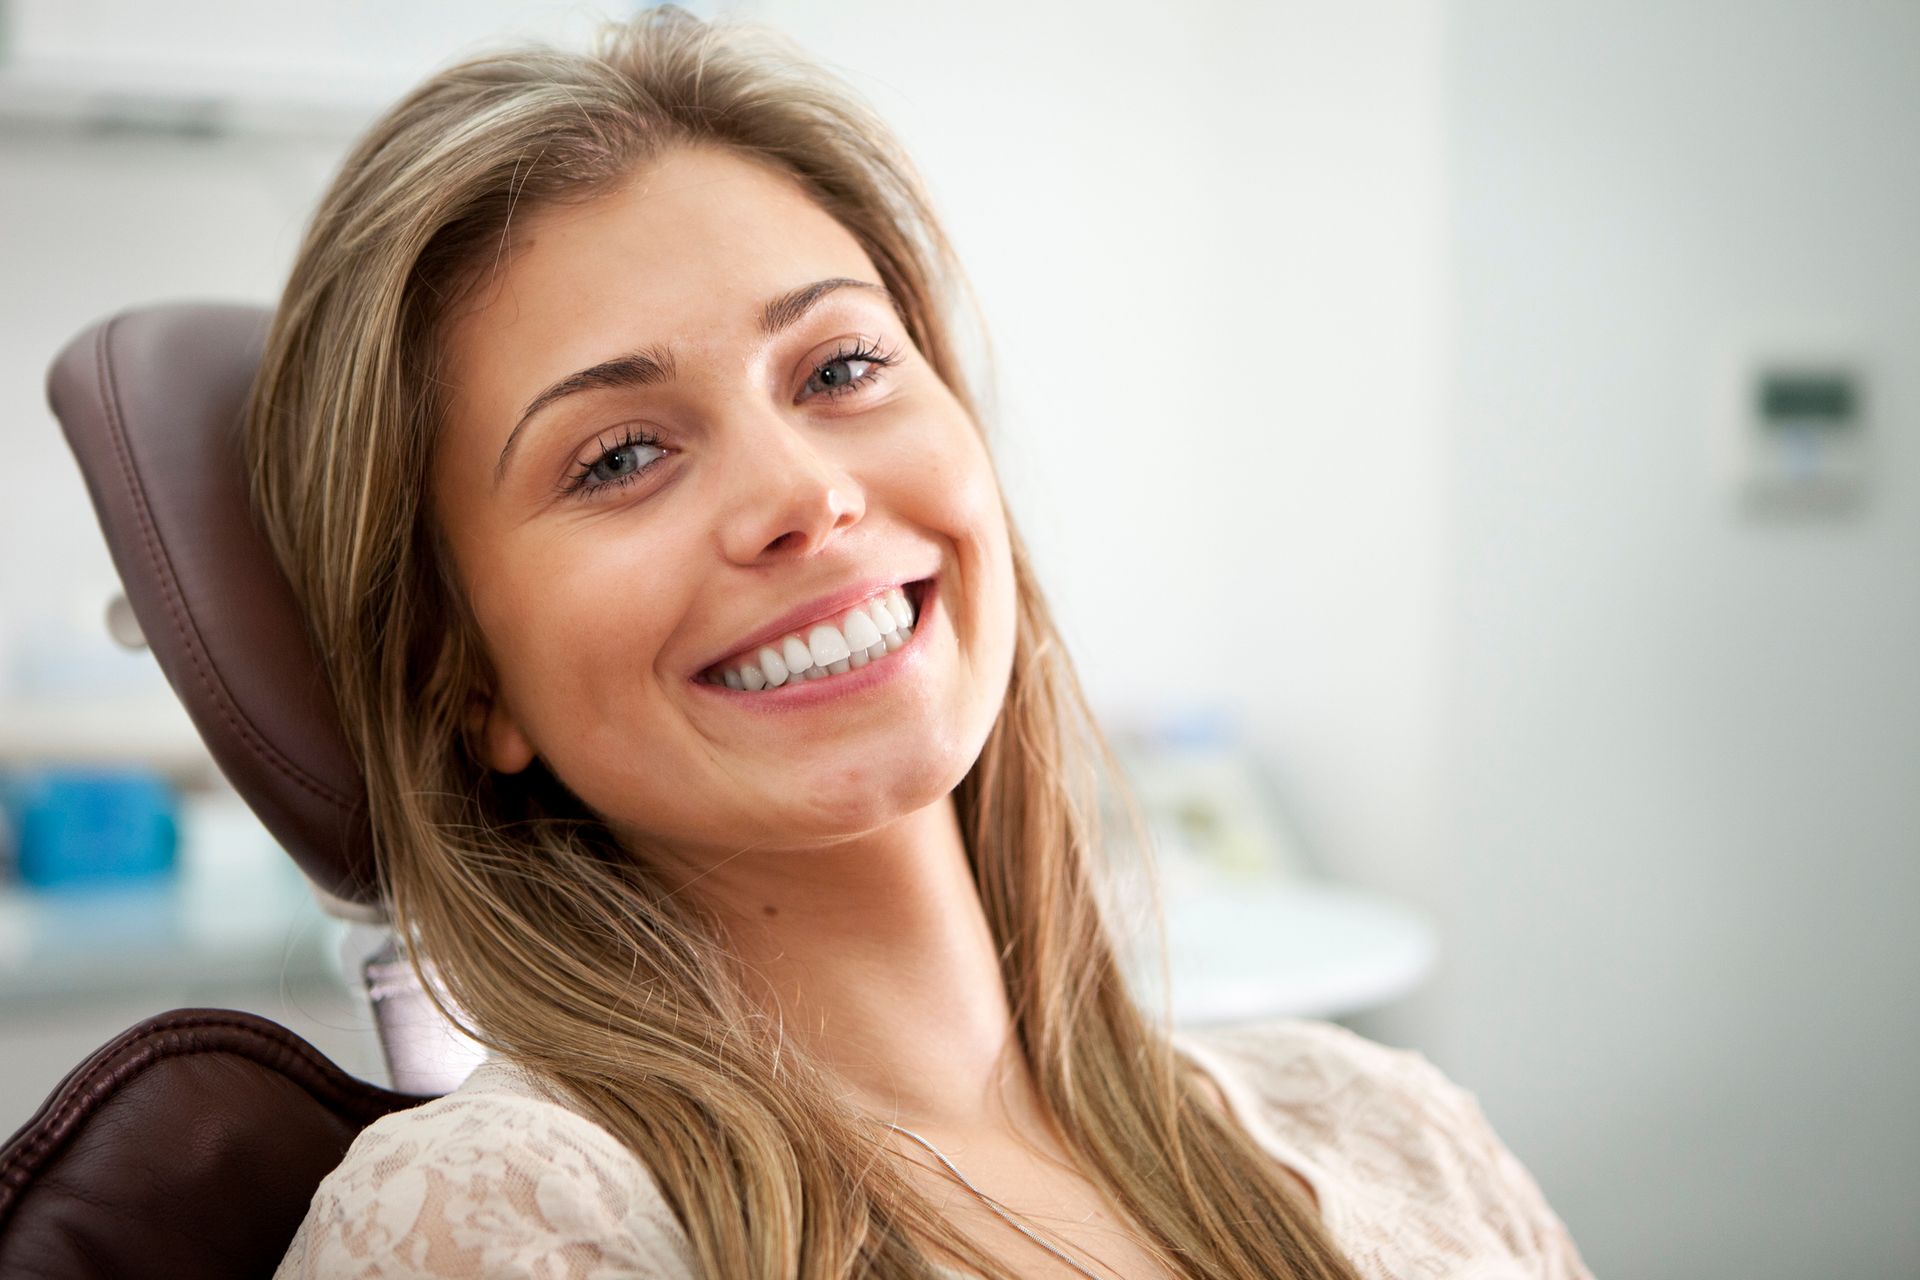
(504, 747)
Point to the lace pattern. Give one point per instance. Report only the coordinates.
(498, 1180)
(1411, 1180)
(494, 1180)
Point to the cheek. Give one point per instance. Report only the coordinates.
(952, 488)
(575, 633)
(965, 503)
(979, 516)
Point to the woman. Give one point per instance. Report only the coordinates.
(726, 766)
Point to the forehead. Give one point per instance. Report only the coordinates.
(684, 252)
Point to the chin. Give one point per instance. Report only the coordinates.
(867, 801)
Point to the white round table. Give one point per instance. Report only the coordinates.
(1274, 948)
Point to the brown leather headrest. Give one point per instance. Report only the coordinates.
(151, 402)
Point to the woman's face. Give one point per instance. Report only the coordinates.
(690, 443)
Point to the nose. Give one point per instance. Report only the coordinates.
(791, 496)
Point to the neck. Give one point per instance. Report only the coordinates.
(875, 955)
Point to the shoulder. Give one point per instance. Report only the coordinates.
(1302, 1061)
(1406, 1157)
(496, 1178)
(1314, 1066)
(1330, 1091)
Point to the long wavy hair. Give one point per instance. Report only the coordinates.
(540, 928)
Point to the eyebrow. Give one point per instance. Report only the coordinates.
(653, 365)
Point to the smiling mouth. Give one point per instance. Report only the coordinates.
(870, 631)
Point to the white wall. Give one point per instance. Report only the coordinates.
(1684, 743)
(87, 228)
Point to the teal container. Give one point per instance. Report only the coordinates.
(82, 826)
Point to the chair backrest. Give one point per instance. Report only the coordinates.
(151, 403)
(189, 1145)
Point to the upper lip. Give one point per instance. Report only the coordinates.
(819, 609)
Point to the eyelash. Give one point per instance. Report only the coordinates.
(581, 483)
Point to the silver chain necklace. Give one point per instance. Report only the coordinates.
(995, 1205)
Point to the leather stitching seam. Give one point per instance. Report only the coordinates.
(183, 626)
(143, 1046)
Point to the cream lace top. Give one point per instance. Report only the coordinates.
(497, 1180)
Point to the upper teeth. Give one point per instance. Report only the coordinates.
(869, 630)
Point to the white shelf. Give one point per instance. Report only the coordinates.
(188, 102)
(236, 910)
(147, 731)
(99, 941)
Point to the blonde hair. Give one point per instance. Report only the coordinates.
(565, 951)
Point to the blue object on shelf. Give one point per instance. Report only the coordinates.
(79, 826)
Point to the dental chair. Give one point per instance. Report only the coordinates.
(191, 1144)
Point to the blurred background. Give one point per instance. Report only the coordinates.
(1473, 447)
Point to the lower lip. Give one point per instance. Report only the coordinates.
(808, 693)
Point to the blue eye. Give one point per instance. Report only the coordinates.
(847, 371)
(616, 465)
